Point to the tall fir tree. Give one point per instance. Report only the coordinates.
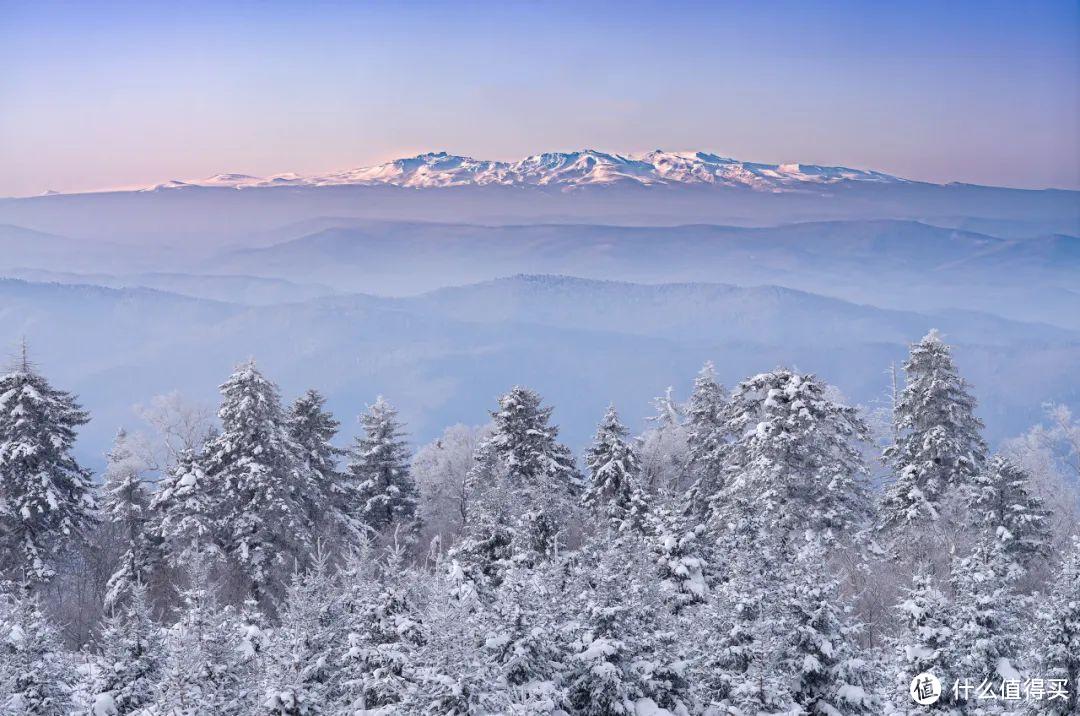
(706, 435)
(524, 482)
(313, 429)
(526, 445)
(796, 461)
(705, 414)
(383, 489)
(986, 621)
(1059, 645)
(125, 505)
(922, 645)
(938, 444)
(257, 485)
(613, 491)
(1002, 504)
(46, 497)
(827, 674)
(536, 468)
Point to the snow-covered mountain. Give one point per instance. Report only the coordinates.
(564, 169)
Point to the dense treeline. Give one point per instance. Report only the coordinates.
(740, 557)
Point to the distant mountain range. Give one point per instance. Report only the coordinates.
(561, 169)
(902, 265)
(440, 281)
(444, 356)
(658, 188)
(894, 264)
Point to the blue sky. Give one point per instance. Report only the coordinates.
(109, 94)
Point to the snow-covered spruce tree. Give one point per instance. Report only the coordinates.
(537, 469)
(828, 676)
(487, 548)
(46, 497)
(922, 645)
(1059, 648)
(614, 493)
(524, 481)
(183, 509)
(682, 549)
(132, 657)
(357, 583)
(613, 490)
(7, 631)
(707, 429)
(524, 641)
(206, 670)
(623, 660)
(384, 632)
(381, 485)
(737, 669)
(938, 445)
(600, 683)
(258, 487)
(298, 662)
(36, 673)
(125, 507)
(1002, 505)
(795, 461)
(313, 428)
(985, 619)
(525, 444)
(449, 671)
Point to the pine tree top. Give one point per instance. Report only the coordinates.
(935, 394)
(28, 403)
(613, 471)
(383, 438)
(794, 456)
(248, 398)
(525, 440)
(310, 410)
(707, 399)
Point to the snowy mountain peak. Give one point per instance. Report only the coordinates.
(563, 169)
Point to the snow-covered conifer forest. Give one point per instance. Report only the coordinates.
(763, 547)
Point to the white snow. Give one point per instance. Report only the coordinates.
(104, 705)
(648, 707)
(1007, 671)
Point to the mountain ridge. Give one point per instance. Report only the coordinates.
(586, 167)
(443, 357)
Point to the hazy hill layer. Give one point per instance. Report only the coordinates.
(443, 357)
